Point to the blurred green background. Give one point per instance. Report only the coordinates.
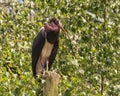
(92, 69)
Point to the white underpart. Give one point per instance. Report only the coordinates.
(42, 28)
(45, 53)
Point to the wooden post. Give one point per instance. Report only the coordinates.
(50, 87)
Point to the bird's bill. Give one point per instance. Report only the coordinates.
(61, 27)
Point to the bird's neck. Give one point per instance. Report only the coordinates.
(52, 37)
(52, 33)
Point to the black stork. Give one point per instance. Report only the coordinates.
(45, 46)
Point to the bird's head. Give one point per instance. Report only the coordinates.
(57, 23)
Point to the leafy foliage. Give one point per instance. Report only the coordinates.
(91, 68)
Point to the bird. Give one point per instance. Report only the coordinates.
(45, 46)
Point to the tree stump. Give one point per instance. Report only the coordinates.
(50, 87)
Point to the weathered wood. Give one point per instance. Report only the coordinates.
(50, 87)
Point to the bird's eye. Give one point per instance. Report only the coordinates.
(56, 22)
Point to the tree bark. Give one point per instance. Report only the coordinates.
(50, 87)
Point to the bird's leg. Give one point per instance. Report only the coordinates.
(47, 62)
(42, 67)
(43, 70)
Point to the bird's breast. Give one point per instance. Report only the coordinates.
(47, 48)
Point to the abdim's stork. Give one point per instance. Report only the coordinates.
(45, 46)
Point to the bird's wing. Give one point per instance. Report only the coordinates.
(37, 46)
(53, 53)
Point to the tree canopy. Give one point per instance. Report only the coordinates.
(88, 59)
